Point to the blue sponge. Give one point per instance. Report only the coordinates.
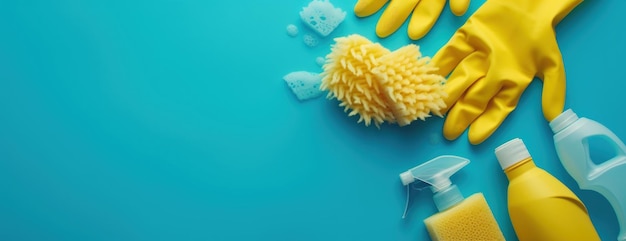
(305, 85)
(322, 16)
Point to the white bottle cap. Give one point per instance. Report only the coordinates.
(511, 152)
(563, 120)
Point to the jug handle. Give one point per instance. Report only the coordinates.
(597, 169)
(620, 152)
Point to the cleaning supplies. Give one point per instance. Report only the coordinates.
(540, 206)
(495, 55)
(571, 136)
(458, 218)
(425, 14)
(380, 85)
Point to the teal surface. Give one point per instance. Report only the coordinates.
(169, 120)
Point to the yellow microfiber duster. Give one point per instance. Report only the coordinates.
(381, 85)
(348, 77)
(410, 88)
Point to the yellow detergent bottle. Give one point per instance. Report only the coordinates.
(540, 206)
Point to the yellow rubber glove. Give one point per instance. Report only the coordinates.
(494, 56)
(425, 13)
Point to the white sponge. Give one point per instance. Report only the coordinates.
(305, 85)
(322, 16)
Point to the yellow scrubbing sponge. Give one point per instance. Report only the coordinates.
(348, 77)
(380, 85)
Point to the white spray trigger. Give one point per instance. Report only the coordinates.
(436, 173)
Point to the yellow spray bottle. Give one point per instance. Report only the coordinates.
(540, 206)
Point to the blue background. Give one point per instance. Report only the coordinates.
(169, 120)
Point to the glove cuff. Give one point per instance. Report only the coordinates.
(554, 10)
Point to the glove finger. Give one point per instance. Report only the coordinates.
(450, 55)
(553, 93)
(470, 106)
(364, 8)
(459, 117)
(394, 16)
(459, 7)
(469, 70)
(495, 113)
(424, 17)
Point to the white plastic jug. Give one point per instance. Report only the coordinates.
(571, 136)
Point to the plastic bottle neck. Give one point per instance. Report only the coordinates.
(447, 198)
(563, 120)
(519, 168)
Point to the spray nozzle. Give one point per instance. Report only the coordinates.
(436, 173)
